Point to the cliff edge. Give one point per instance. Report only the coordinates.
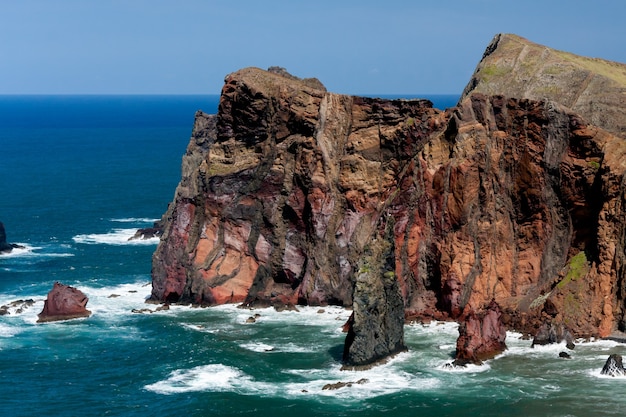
(592, 87)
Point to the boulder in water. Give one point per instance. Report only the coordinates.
(64, 303)
(550, 333)
(614, 366)
(482, 335)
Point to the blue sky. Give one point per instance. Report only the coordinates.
(353, 47)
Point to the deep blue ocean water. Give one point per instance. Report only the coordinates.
(79, 174)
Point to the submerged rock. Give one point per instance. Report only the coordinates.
(481, 335)
(613, 366)
(64, 303)
(338, 385)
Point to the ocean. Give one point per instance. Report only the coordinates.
(79, 174)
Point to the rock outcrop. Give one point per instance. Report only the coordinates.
(508, 199)
(376, 327)
(482, 335)
(6, 247)
(148, 232)
(64, 303)
(613, 366)
(550, 333)
(592, 87)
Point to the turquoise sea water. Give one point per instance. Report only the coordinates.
(79, 174)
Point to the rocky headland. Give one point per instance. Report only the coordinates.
(508, 198)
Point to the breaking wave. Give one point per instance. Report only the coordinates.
(114, 237)
(28, 251)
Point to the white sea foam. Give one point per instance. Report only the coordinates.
(596, 373)
(116, 301)
(8, 331)
(134, 220)
(258, 347)
(379, 380)
(362, 384)
(467, 369)
(211, 378)
(28, 251)
(114, 237)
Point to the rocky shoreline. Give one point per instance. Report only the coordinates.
(510, 198)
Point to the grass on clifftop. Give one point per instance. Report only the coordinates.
(612, 70)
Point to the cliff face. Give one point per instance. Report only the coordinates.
(282, 192)
(592, 87)
(286, 189)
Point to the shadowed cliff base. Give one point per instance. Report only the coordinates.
(284, 193)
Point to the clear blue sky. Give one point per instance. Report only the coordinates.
(352, 46)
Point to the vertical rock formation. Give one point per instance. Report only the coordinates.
(482, 335)
(6, 247)
(508, 199)
(376, 327)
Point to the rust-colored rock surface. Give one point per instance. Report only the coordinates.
(64, 303)
(513, 200)
(482, 335)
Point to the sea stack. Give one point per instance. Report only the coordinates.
(482, 335)
(376, 327)
(64, 303)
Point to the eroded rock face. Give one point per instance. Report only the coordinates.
(515, 200)
(281, 192)
(64, 303)
(482, 335)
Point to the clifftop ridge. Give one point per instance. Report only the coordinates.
(516, 67)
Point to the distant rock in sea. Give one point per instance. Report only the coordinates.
(6, 247)
(64, 303)
(148, 232)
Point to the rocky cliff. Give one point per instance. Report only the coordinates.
(285, 190)
(592, 87)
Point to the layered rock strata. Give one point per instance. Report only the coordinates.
(592, 87)
(513, 200)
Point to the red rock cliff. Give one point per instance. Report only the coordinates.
(283, 190)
